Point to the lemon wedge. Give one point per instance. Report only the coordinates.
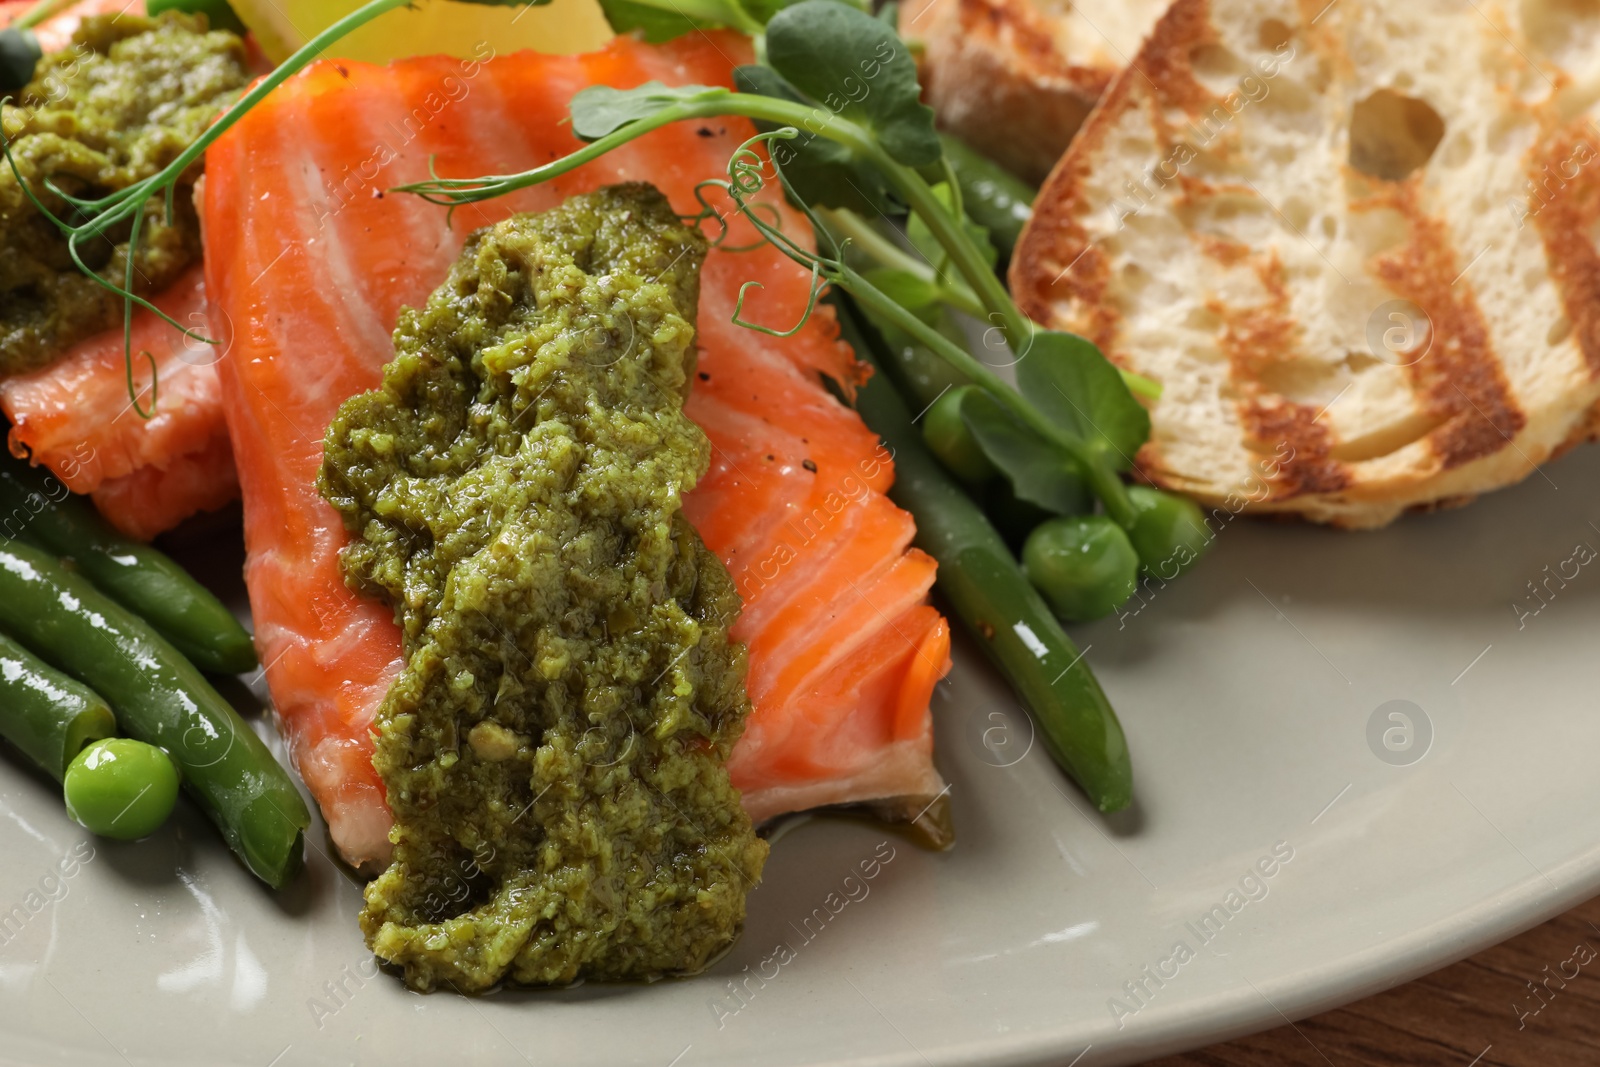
(428, 27)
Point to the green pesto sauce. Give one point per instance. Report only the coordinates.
(554, 749)
(110, 110)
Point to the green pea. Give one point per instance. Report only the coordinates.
(1168, 531)
(19, 55)
(121, 788)
(217, 12)
(947, 437)
(1083, 564)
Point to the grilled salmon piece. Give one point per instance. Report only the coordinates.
(1355, 245)
(151, 499)
(840, 637)
(75, 417)
(311, 261)
(55, 32)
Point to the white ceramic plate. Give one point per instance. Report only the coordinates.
(1247, 690)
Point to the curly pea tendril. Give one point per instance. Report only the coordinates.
(746, 178)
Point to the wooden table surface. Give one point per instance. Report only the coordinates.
(1481, 1012)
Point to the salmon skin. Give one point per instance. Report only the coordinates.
(310, 260)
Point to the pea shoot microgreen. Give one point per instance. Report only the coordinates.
(843, 129)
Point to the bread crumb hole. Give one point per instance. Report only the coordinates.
(1330, 227)
(1564, 30)
(1375, 231)
(1358, 361)
(1274, 34)
(1301, 381)
(1298, 212)
(1560, 330)
(1385, 440)
(1533, 85)
(1458, 151)
(1215, 67)
(1235, 218)
(1392, 135)
(1511, 134)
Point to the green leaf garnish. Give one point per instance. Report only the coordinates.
(655, 23)
(1038, 471)
(823, 172)
(662, 20)
(764, 10)
(855, 67)
(842, 118)
(43, 9)
(600, 109)
(1075, 386)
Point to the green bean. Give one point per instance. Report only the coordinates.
(47, 715)
(36, 508)
(121, 788)
(980, 579)
(919, 371)
(161, 699)
(994, 198)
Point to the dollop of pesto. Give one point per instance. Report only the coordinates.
(108, 111)
(554, 749)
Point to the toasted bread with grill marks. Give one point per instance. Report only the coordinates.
(1354, 241)
(1016, 78)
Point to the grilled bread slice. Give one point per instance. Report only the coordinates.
(1016, 78)
(1354, 240)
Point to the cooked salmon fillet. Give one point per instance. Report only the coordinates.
(152, 499)
(55, 33)
(311, 260)
(74, 416)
